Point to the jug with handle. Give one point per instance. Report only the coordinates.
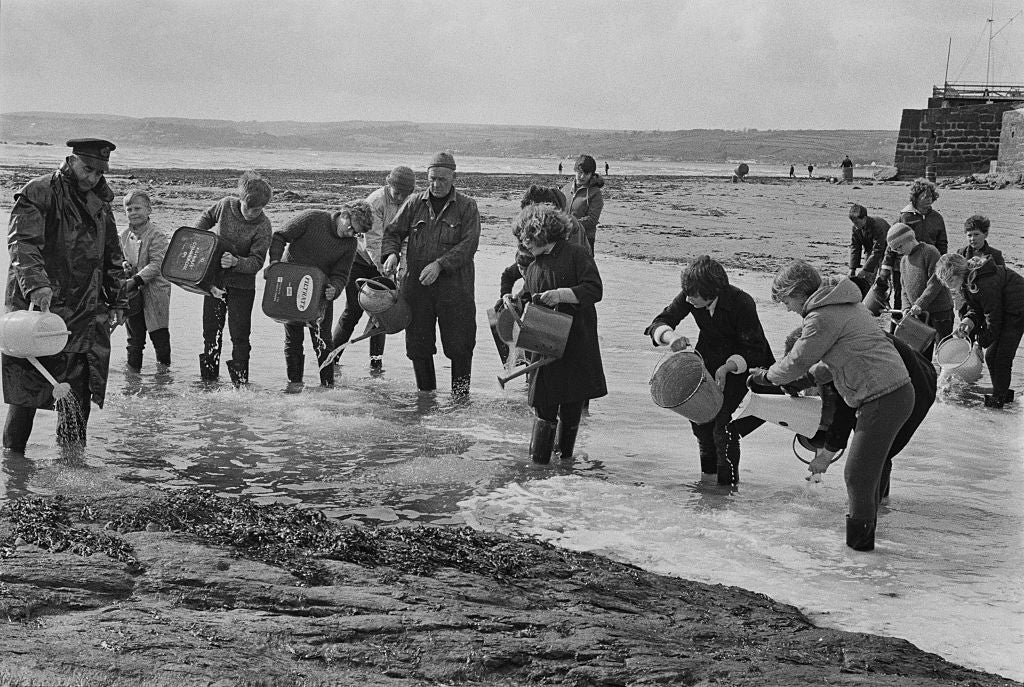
(33, 334)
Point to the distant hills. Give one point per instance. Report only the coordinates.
(707, 145)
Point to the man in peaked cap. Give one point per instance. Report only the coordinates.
(66, 259)
(442, 227)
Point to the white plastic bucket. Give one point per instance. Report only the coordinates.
(958, 357)
(32, 334)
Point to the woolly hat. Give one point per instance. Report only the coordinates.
(403, 179)
(979, 222)
(442, 160)
(898, 232)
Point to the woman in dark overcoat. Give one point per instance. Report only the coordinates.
(562, 276)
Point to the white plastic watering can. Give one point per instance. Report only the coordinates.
(33, 334)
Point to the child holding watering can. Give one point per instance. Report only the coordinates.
(326, 240)
(992, 313)
(731, 340)
(923, 297)
(867, 372)
(144, 246)
(563, 276)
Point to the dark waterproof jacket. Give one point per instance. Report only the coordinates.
(67, 240)
(733, 329)
(578, 375)
(993, 300)
(871, 242)
(986, 251)
(586, 203)
(451, 238)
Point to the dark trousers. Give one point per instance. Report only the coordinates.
(161, 338)
(719, 444)
(18, 425)
(319, 335)
(445, 305)
(878, 422)
(236, 308)
(568, 413)
(353, 311)
(999, 360)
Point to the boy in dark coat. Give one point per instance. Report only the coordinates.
(731, 341)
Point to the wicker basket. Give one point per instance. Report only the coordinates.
(682, 384)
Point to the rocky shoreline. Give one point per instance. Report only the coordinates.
(143, 587)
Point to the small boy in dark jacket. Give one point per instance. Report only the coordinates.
(731, 341)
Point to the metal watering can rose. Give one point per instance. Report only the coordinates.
(33, 334)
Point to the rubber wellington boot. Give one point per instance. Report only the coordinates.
(424, 371)
(462, 370)
(295, 365)
(860, 534)
(728, 467)
(239, 372)
(566, 441)
(543, 441)
(209, 367)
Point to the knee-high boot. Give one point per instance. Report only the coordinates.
(542, 441)
(239, 371)
(18, 427)
(860, 534)
(424, 370)
(209, 366)
(565, 440)
(295, 365)
(462, 370)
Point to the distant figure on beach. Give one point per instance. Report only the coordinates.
(847, 167)
(847, 162)
(992, 314)
(65, 259)
(741, 172)
(144, 246)
(606, 169)
(928, 226)
(731, 341)
(792, 172)
(841, 334)
(584, 197)
(868, 238)
(976, 227)
(810, 170)
(240, 221)
(442, 227)
(559, 169)
(385, 202)
(562, 276)
(325, 240)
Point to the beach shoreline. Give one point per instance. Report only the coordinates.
(755, 226)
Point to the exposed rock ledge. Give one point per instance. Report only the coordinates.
(170, 607)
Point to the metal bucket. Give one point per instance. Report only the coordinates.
(877, 299)
(32, 334)
(958, 357)
(376, 295)
(395, 318)
(683, 385)
(914, 333)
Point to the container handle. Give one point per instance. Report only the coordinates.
(507, 300)
(373, 282)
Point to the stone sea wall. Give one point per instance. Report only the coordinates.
(963, 140)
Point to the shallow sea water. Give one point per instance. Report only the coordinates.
(947, 574)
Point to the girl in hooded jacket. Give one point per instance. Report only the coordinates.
(992, 313)
(584, 198)
(840, 332)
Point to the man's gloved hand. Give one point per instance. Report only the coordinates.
(759, 376)
(797, 385)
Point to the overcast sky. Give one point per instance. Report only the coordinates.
(598, 64)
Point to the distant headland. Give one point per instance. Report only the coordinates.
(499, 140)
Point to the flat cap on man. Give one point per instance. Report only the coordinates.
(442, 160)
(94, 151)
